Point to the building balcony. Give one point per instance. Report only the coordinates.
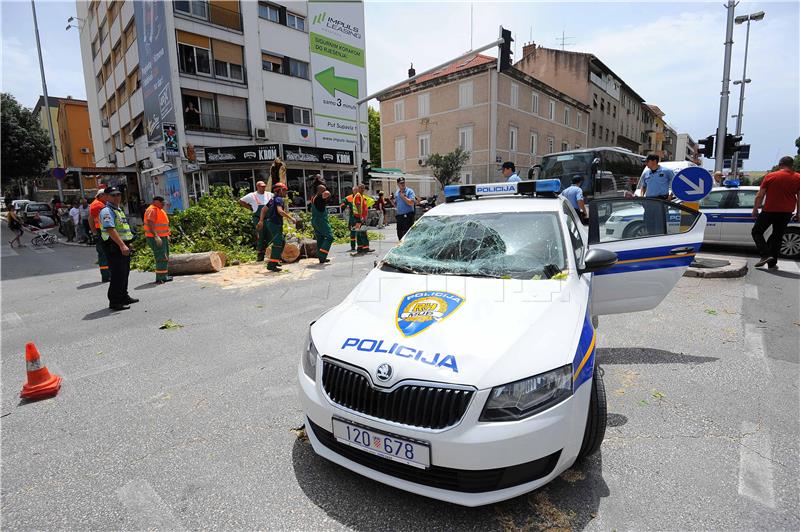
(207, 12)
(209, 123)
(235, 74)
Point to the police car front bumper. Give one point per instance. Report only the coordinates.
(472, 463)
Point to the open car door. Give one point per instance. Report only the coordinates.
(655, 241)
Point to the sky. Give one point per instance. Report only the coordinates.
(671, 53)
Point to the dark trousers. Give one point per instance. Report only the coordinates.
(404, 223)
(120, 267)
(778, 221)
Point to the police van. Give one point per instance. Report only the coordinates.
(463, 367)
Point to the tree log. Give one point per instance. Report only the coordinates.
(189, 263)
(291, 252)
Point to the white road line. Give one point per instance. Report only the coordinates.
(754, 342)
(755, 466)
(11, 319)
(42, 250)
(751, 291)
(146, 508)
(789, 265)
(95, 371)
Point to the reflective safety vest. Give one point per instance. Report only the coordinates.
(159, 219)
(120, 224)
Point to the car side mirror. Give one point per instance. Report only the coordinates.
(598, 259)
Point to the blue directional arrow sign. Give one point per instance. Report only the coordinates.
(692, 184)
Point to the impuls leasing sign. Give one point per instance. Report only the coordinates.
(338, 72)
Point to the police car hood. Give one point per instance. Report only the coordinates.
(473, 331)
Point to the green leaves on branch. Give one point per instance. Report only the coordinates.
(447, 167)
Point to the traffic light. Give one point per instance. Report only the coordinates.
(366, 168)
(504, 54)
(731, 145)
(707, 149)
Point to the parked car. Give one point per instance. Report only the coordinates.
(38, 215)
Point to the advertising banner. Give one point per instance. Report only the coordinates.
(338, 72)
(265, 153)
(173, 196)
(151, 32)
(307, 154)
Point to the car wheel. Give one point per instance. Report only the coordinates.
(635, 230)
(596, 420)
(790, 245)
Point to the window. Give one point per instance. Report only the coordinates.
(130, 35)
(512, 139)
(574, 235)
(514, 95)
(298, 69)
(117, 140)
(534, 143)
(594, 129)
(535, 103)
(196, 8)
(424, 104)
(742, 199)
(613, 136)
(133, 81)
(103, 31)
(608, 108)
(223, 69)
(112, 105)
(465, 138)
(116, 53)
(194, 60)
(714, 199)
(122, 94)
(615, 112)
(424, 145)
(272, 63)
(602, 105)
(466, 177)
(594, 100)
(579, 120)
(276, 112)
(399, 111)
(95, 47)
(400, 149)
(551, 144)
(99, 80)
(295, 21)
(564, 146)
(465, 94)
(269, 12)
(301, 116)
(566, 115)
(606, 133)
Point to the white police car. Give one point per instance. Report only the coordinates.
(463, 366)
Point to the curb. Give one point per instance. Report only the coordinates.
(736, 268)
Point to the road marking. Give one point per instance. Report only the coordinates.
(751, 291)
(42, 250)
(789, 265)
(755, 466)
(11, 319)
(96, 371)
(146, 508)
(754, 342)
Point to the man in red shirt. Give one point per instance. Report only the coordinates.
(782, 189)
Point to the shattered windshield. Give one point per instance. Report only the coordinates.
(520, 245)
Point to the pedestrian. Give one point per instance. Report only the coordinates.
(273, 217)
(574, 194)
(86, 232)
(98, 205)
(256, 201)
(509, 172)
(782, 204)
(156, 230)
(319, 221)
(117, 236)
(74, 222)
(277, 171)
(381, 210)
(361, 212)
(351, 217)
(15, 224)
(404, 202)
(718, 178)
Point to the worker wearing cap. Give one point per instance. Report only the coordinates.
(360, 212)
(156, 230)
(319, 221)
(351, 220)
(94, 224)
(273, 216)
(117, 236)
(256, 201)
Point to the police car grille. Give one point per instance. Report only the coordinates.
(429, 407)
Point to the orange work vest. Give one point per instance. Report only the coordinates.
(160, 221)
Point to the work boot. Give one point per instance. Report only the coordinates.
(260, 257)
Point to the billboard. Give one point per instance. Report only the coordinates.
(338, 72)
(151, 38)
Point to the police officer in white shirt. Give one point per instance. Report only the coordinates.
(256, 201)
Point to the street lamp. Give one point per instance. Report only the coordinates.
(759, 15)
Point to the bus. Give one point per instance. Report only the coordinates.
(605, 171)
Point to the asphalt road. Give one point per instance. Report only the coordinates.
(192, 428)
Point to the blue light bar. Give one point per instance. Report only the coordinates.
(452, 191)
(730, 182)
(543, 187)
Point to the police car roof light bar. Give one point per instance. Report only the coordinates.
(542, 187)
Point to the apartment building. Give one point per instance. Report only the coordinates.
(657, 132)
(74, 133)
(195, 93)
(686, 148)
(496, 117)
(39, 111)
(617, 115)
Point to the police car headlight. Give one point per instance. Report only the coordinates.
(526, 397)
(310, 357)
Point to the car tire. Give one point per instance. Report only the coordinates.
(635, 230)
(790, 245)
(596, 420)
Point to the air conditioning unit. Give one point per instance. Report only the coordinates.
(84, 150)
(261, 134)
(425, 121)
(423, 161)
(104, 122)
(112, 158)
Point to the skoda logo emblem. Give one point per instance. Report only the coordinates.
(384, 372)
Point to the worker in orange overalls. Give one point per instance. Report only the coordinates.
(156, 229)
(95, 207)
(360, 210)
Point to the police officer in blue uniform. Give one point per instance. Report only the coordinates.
(117, 236)
(656, 183)
(574, 194)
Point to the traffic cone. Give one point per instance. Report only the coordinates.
(41, 383)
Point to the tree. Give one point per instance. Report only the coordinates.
(797, 157)
(25, 145)
(447, 167)
(374, 121)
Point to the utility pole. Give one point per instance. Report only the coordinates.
(722, 125)
(744, 81)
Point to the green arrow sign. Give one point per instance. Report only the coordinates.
(332, 83)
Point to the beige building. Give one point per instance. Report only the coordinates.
(497, 117)
(657, 132)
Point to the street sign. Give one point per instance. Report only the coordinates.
(59, 173)
(744, 151)
(692, 184)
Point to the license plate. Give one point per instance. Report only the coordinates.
(395, 448)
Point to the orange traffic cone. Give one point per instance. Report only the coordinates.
(40, 383)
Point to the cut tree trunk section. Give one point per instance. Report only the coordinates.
(189, 263)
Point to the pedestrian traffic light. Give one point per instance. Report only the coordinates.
(504, 54)
(707, 149)
(731, 145)
(366, 168)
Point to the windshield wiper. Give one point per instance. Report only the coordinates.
(403, 269)
(550, 270)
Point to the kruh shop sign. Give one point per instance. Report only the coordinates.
(305, 154)
(242, 154)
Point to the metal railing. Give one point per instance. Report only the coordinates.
(212, 13)
(216, 124)
(184, 70)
